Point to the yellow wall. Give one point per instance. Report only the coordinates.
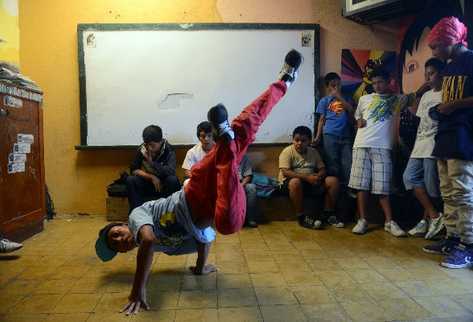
(9, 32)
(48, 54)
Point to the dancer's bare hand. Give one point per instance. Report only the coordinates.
(135, 303)
(207, 269)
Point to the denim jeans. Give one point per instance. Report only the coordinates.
(251, 202)
(338, 156)
(422, 173)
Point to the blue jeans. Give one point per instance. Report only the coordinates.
(338, 155)
(422, 173)
(251, 202)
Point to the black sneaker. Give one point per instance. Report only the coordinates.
(442, 247)
(309, 222)
(292, 62)
(251, 224)
(218, 117)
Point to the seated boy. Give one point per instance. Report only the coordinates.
(421, 174)
(245, 173)
(198, 151)
(302, 172)
(371, 169)
(180, 223)
(153, 169)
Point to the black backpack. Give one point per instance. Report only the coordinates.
(118, 187)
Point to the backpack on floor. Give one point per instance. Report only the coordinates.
(118, 187)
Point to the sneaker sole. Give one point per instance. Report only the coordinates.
(400, 236)
(428, 251)
(418, 235)
(448, 265)
(12, 250)
(358, 233)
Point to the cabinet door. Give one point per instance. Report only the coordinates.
(22, 206)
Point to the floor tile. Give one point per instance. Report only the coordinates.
(39, 303)
(77, 303)
(365, 311)
(198, 299)
(226, 281)
(268, 280)
(313, 294)
(69, 317)
(441, 306)
(196, 315)
(283, 313)
(23, 317)
(275, 295)
(325, 313)
(240, 314)
(237, 297)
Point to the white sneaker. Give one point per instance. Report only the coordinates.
(339, 224)
(317, 224)
(7, 246)
(436, 225)
(393, 228)
(420, 229)
(361, 227)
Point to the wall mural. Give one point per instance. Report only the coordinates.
(357, 64)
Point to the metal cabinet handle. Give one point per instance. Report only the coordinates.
(3, 112)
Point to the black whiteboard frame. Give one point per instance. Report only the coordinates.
(81, 28)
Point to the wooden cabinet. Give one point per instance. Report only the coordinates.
(22, 188)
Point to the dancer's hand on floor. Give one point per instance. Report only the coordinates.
(135, 302)
(207, 269)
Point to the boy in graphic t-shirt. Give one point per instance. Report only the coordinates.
(371, 170)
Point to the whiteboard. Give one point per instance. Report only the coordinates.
(132, 76)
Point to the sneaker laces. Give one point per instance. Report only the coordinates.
(288, 70)
(225, 128)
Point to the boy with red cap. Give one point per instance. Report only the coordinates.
(454, 142)
(180, 223)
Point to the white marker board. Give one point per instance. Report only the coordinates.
(134, 75)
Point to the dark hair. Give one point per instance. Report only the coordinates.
(302, 130)
(379, 72)
(431, 13)
(435, 63)
(330, 77)
(205, 127)
(152, 133)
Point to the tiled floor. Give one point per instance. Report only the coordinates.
(278, 272)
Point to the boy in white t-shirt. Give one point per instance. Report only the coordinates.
(421, 174)
(371, 170)
(198, 151)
